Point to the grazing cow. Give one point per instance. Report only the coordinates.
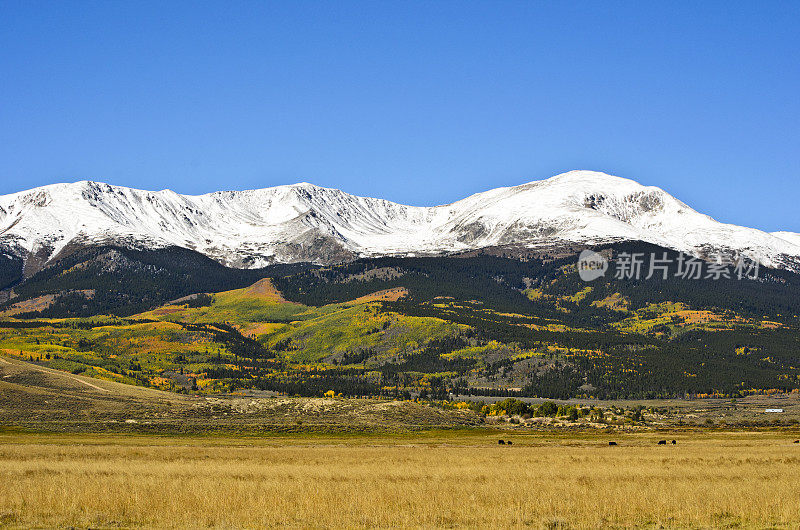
(509, 442)
(674, 442)
(796, 442)
(612, 443)
(662, 442)
(501, 442)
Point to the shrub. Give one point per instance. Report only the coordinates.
(513, 407)
(548, 408)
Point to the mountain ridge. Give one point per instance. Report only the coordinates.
(308, 223)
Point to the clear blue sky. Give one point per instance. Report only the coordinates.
(420, 103)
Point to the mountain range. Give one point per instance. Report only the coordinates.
(308, 223)
(305, 290)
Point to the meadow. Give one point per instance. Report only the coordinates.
(425, 480)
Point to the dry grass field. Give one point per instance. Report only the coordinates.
(178, 461)
(429, 480)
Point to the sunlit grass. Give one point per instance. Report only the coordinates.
(736, 480)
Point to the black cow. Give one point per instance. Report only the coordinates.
(796, 442)
(662, 442)
(509, 442)
(674, 442)
(612, 443)
(501, 442)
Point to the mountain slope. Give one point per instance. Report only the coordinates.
(303, 222)
(486, 323)
(791, 237)
(122, 281)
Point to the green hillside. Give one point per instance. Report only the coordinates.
(431, 326)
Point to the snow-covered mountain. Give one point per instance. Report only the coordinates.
(303, 222)
(791, 237)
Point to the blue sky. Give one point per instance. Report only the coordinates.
(417, 102)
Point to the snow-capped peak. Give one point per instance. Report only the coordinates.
(304, 222)
(791, 237)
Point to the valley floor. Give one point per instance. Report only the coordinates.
(429, 480)
(84, 452)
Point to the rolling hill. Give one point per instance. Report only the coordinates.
(432, 326)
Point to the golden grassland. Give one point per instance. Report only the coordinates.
(440, 479)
